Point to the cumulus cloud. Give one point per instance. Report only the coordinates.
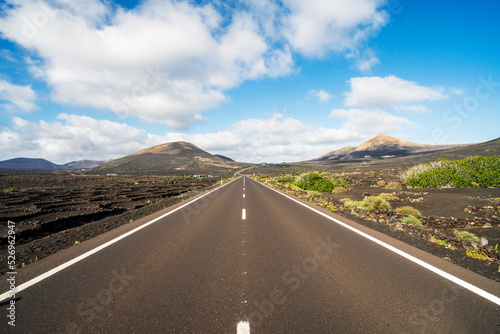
(322, 95)
(17, 98)
(316, 27)
(275, 138)
(370, 121)
(390, 92)
(170, 61)
(165, 61)
(365, 60)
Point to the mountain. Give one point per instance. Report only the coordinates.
(28, 163)
(380, 146)
(83, 164)
(490, 148)
(42, 164)
(170, 159)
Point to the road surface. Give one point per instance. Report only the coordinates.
(245, 258)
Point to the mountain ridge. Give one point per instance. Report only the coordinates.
(173, 158)
(43, 164)
(380, 146)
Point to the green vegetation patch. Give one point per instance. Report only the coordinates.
(470, 172)
(370, 203)
(408, 211)
(9, 190)
(411, 220)
(315, 182)
(388, 197)
(464, 235)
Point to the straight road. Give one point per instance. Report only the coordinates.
(246, 259)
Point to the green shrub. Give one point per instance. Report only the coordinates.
(9, 190)
(323, 185)
(339, 190)
(393, 185)
(340, 183)
(313, 193)
(477, 255)
(388, 197)
(408, 211)
(373, 203)
(314, 182)
(286, 178)
(171, 182)
(350, 203)
(411, 220)
(370, 203)
(473, 171)
(464, 235)
(307, 181)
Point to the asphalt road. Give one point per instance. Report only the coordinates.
(245, 254)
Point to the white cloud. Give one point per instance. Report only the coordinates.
(17, 97)
(370, 121)
(365, 60)
(390, 92)
(169, 61)
(322, 95)
(316, 27)
(165, 61)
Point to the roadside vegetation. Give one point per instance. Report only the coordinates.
(464, 235)
(470, 172)
(315, 183)
(412, 220)
(408, 211)
(370, 203)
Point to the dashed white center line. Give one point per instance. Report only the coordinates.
(243, 327)
(244, 214)
(243, 195)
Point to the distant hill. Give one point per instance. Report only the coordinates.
(27, 163)
(42, 164)
(83, 164)
(381, 146)
(170, 159)
(490, 148)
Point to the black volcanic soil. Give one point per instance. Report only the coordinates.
(52, 211)
(476, 210)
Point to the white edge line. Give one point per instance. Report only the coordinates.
(426, 265)
(243, 214)
(65, 265)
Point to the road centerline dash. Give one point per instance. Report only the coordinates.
(243, 327)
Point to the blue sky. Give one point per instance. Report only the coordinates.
(254, 80)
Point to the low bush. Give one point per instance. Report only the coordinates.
(467, 236)
(412, 220)
(388, 197)
(470, 172)
(315, 182)
(339, 190)
(9, 190)
(393, 185)
(408, 211)
(370, 203)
